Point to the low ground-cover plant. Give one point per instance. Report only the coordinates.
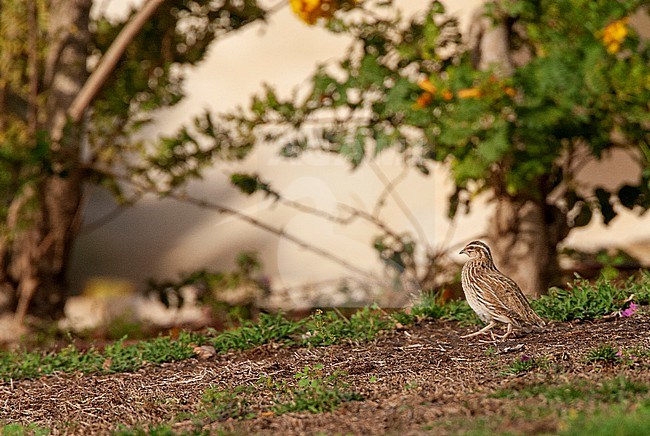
(606, 391)
(525, 363)
(116, 357)
(431, 305)
(311, 390)
(605, 353)
(619, 420)
(585, 300)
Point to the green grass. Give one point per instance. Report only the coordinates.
(221, 404)
(608, 391)
(116, 357)
(310, 390)
(618, 420)
(432, 306)
(20, 430)
(314, 392)
(160, 430)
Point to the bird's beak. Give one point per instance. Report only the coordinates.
(462, 251)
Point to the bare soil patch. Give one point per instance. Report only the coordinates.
(412, 381)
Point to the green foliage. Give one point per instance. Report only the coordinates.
(21, 430)
(159, 430)
(603, 354)
(326, 328)
(115, 357)
(621, 421)
(310, 390)
(585, 300)
(219, 405)
(431, 305)
(268, 328)
(608, 391)
(523, 364)
(314, 392)
(413, 87)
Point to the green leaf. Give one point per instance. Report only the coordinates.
(496, 145)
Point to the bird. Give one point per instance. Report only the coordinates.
(494, 297)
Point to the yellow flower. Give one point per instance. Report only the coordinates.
(310, 11)
(469, 93)
(614, 34)
(447, 95)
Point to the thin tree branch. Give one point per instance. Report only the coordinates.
(390, 190)
(110, 216)
(205, 204)
(110, 59)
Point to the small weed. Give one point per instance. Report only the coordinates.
(490, 351)
(115, 357)
(220, 405)
(403, 318)
(314, 392)
(604, 354)
(158, 430)
(523, 364)
(411, 385)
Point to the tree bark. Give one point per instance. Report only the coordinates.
(524, 235)
(37, 258)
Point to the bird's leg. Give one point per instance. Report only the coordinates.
(482, 331)
(508, 332)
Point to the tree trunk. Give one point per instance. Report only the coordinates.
(524, 235)
(35, 261)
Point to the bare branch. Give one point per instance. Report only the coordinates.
(390, 190)
(184, 198)
(110, 59)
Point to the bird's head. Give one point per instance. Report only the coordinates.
(477, 250)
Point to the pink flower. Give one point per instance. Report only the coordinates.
(630, 310)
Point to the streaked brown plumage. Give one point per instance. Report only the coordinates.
(494, 297)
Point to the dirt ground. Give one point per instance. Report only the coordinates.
(412, 381)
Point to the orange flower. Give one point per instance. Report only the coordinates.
(423, 100)
(447, 95)
(614, 34)
(310, 11)
(509, 90)
(469, 93)
(426, 85)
